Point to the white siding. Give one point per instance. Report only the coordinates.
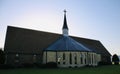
(88, 58)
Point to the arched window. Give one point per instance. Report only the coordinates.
(70, 58)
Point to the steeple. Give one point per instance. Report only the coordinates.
(65, 27)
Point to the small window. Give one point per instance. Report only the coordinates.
(34, 55)
(16, 58)
(34, 58)
(17, 55)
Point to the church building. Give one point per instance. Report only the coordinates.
(67, 52)
(30, 46)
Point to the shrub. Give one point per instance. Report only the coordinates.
(51, 65)
(115, 59)
(27, 65)
(6, 66)
(2, 56)
(105, 63)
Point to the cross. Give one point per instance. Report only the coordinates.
(65, 11)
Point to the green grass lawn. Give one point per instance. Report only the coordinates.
(112, 69)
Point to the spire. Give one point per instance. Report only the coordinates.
(65, 27)
(65, 21)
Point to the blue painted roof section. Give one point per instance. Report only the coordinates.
(65, 43)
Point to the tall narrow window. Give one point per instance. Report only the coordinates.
(63, 58)
(75, 56)
(70, 58)
(85, 58)
(81, 58)
(85, 61)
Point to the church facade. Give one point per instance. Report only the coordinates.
(30, 46)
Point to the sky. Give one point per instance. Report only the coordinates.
(93, 19)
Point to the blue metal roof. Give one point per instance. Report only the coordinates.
(65, 43)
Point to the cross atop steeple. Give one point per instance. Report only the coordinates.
(65, 11)
(65, 27)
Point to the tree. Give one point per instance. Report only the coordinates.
(115, 59)
(2, 56)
